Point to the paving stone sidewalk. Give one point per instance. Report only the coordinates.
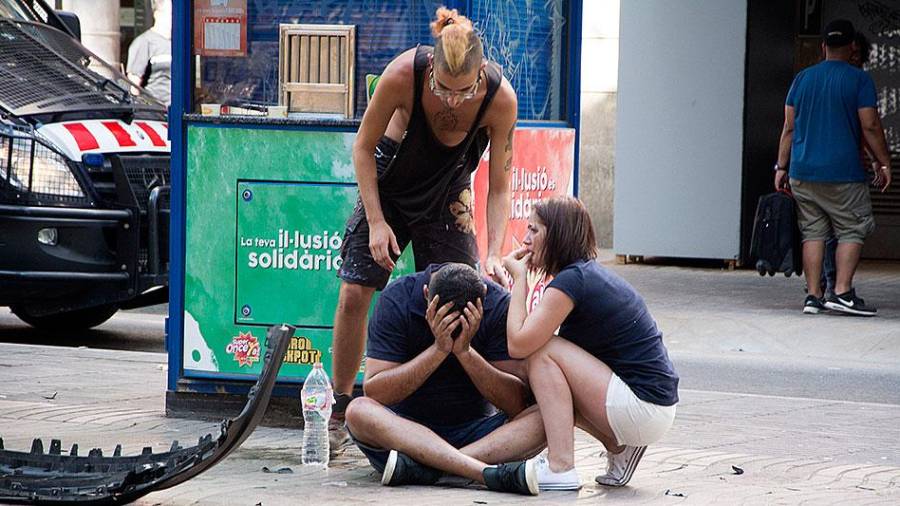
(791, 450)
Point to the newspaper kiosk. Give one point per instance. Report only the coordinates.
(267, 96)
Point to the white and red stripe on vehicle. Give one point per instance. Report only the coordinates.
(107, 136)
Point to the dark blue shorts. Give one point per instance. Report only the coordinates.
(457, 435)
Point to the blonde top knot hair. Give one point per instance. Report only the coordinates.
(457, 48)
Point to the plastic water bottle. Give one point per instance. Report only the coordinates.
(316, 398)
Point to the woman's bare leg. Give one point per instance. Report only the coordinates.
(566, 379)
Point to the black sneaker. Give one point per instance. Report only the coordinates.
(813, 305)
(516, 477)
(849, 303)
(402, 470)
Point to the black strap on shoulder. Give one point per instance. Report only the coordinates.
(494, 78)
(420, 63)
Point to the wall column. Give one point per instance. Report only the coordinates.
(99, 26)
(599, 85)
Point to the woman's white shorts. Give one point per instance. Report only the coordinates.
(635, 422)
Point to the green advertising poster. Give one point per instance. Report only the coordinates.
(285, 243)
(266, 211)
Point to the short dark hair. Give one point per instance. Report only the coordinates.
(456, 283)
(570, 233)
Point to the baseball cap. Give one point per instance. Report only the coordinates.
(839, 33)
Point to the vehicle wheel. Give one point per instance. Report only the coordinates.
(80, 319)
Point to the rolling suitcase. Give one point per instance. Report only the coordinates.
(775, 241)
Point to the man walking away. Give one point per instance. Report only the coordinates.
(829, 108)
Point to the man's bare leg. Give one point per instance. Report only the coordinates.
(521, 438)
(813, 253)
(847, 259)
(375, 425)
(349, 339)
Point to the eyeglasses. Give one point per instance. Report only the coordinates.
(445, 93)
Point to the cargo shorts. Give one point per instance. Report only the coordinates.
(841, 209)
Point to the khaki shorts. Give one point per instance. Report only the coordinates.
(840, 209)
(635, 422)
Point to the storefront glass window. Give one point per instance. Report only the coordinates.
(236, 46)
(528, 40)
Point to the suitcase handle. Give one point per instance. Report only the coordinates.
(787, 191)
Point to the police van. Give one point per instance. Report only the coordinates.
(84, 177)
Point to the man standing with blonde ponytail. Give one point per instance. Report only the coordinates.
(434, 113)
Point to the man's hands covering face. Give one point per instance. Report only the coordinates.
(443, 322)
(470, 320)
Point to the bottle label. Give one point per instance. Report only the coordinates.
(320, 401)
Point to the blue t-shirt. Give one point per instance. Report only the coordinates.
(826, 144)
(398, 332)
(611, 322)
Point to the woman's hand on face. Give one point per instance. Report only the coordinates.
(516, 263)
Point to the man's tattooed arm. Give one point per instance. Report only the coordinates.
(508, 149)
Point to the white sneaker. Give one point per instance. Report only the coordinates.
(549, 480)
(620, 466)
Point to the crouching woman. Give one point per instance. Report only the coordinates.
(607, 371)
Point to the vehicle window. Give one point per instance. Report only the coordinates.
(12, 9)
(53, 73)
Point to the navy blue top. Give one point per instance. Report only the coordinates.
(826, 143)
(611, 322)
(398, 332)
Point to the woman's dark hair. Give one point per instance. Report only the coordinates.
(570, 234)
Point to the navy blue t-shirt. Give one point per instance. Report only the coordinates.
(611, 322)
(398, 332)
(826, 142)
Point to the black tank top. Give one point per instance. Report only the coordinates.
(424, 170)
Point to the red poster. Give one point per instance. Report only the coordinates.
(220, 27)
(542, 167)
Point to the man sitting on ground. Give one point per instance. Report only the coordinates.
(436, 375)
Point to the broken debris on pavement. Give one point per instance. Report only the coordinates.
(37, 477)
